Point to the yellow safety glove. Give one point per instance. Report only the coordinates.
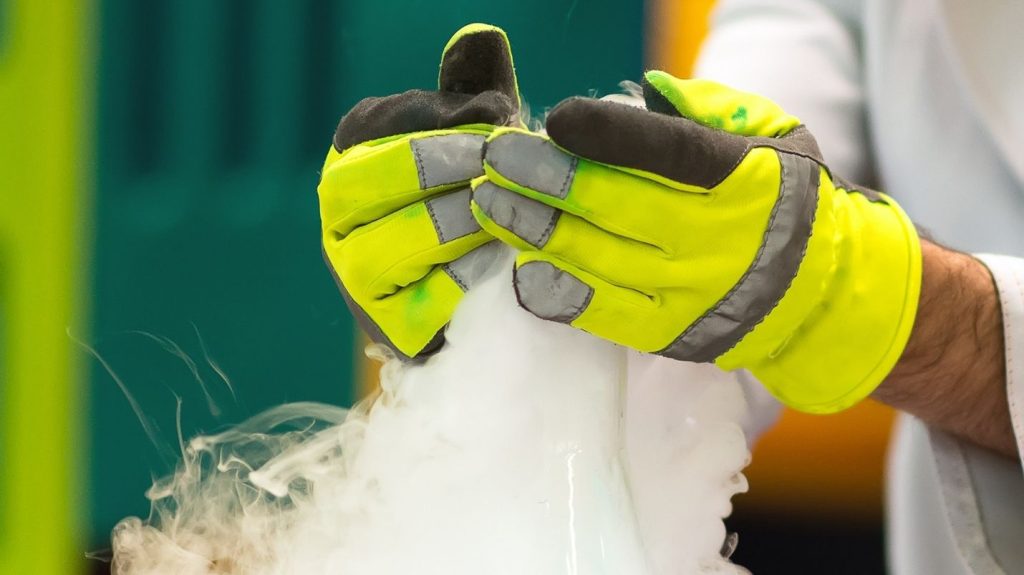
(706, 228)
(398, 233)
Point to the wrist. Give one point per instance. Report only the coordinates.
(952, 372)
(956, 293)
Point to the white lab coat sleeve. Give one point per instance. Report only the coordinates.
(956, 508)
(1008, 273)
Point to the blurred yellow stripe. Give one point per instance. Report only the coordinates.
(46, 61)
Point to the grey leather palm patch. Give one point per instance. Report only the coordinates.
(452, 216)
(469, 269)
(532, 162)
(550, 293)
(530, 220)
(768, 278)
(448, 159)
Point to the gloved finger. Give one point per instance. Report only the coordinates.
(417, 111)
(401, 321)
(668, 147)
(371, 181)
(664, 145)
(402, 248)
(716, 105)
(530, 225)
(478, 58)
(408, 271)
(417, 313)
(619, 201)
(400, 243)
(477, 85)
(555, 290)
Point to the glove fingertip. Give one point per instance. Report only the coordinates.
(655, 94)
(550, 292)
(478, 58)
(657, 80)
(524, 223)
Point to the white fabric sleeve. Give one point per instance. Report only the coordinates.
(956, 508)
(1008, 273)
(803, 55)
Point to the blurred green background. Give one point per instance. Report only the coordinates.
(158, 165)
(188, 135)
(212, 122)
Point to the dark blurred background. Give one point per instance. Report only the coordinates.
(159, 164)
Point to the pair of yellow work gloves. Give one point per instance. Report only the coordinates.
(704, 228)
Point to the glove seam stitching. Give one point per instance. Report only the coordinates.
(803, 255)
(437, 225)
(420, 170)
(569, 176)
(546, 235)
(582, 307)
(760, 253)
(455, 277)
(750, 145)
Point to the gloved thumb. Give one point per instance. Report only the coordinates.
(477, 59)
(716, 106)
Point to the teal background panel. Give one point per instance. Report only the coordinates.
(213, 119)
(5, 329)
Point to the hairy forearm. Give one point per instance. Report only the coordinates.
(952, 373)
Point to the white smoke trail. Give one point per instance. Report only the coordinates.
(510, 452)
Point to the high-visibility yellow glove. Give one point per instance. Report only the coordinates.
(706, 228)
(398, 233)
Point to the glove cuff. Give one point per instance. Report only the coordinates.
(855, 333)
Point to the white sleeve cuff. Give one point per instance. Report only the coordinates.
(1008, 273)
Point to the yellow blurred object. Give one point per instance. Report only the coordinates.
(675, 29)
(45, 50)
(814, 464)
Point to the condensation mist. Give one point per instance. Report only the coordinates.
(523, 447)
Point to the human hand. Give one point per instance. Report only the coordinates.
(398, 234)
(706, 228)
